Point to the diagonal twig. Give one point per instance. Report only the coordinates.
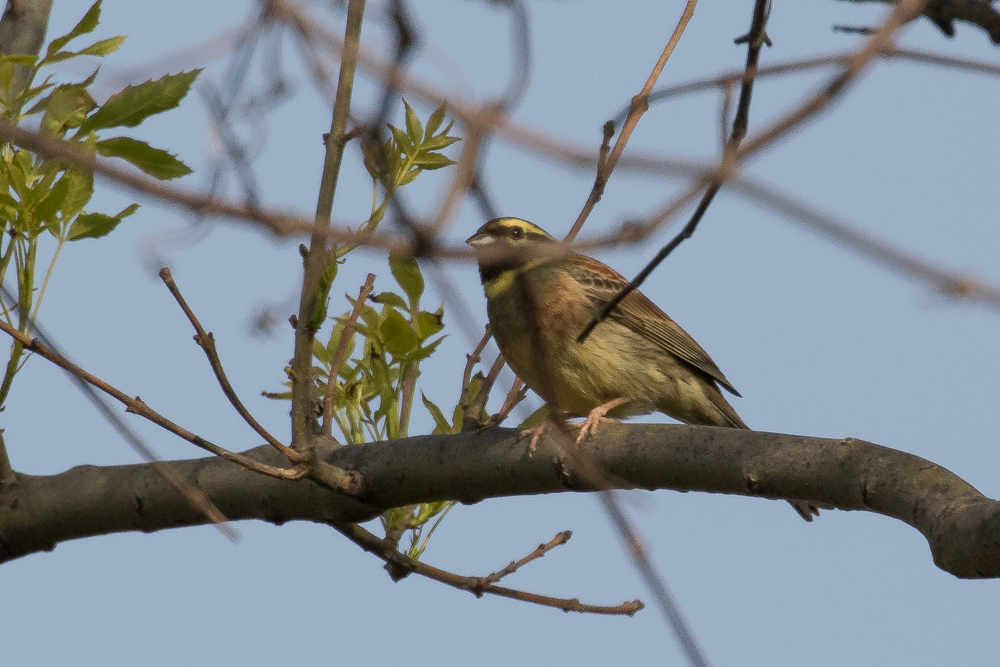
(640, 103)
(138, 406)
(206, 341)
(542, 549)
(403, 565)
(195, 496)
(755, 39)
(654, 581)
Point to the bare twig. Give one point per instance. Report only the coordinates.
(474, 358)
(318, 257)
(478, 586)
(639, 105)
(654, 581)
(518, 390)
(330, 396)
(206, 341)
(194, 496)
(478, 404)
(540, 550)
(755, 39)
(138, 406)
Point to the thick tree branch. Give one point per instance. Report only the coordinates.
(961, 525)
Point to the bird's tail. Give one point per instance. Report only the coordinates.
(806, 510)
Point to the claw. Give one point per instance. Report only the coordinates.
(535, 432)
(596, 417)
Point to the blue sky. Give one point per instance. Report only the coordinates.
(818, 340)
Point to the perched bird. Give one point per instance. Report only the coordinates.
(635, 362)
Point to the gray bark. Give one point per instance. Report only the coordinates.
(961, 525)
(22, 31)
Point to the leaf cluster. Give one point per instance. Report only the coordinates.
(377, 376)
(40, 194)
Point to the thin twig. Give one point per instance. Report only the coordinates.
(540, 550)
(474, 358)
(319, 255)
(483, 395)
(194, 496)
(139, 407)
(755, 39)
(879, 43)
(465, 175)
(518, 390)
(640, 103)
(478, 586)
(206, 341)
(654, 581)
(330, 396)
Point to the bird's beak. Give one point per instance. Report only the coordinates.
(479, 239)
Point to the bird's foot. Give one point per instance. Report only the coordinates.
(535, 432)
(597, 416)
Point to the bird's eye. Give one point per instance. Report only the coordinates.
(516, 233)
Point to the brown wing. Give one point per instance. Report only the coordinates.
(642, 316)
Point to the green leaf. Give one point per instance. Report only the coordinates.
(134, 104)
(32, 93)
(52, 204)
(441, 424)
(103, 47)
(81, 189)
(154, 161)
(434, 122)
(92, 226)
(66, 107)
(321, 353)
(408, 177)
(421, 353)
(407, 273)
(428, 324)
(431, 161)
(438, 142)
(391, 299)
(402, 142)
(413, 129)
(399, 338)
(323, 293)
(535, 418)
(26, 59)
(16, 164)
(370, 320)
(96, 225)
(86, 24)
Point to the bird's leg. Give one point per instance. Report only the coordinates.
(596, 416)
(536, 431)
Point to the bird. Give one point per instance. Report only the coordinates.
(635, 362)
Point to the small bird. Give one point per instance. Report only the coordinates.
(635, 362)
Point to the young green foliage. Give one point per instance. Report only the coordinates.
(42, 197)
(374, 389)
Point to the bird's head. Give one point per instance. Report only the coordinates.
(507, 241)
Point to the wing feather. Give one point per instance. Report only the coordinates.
(642, 316)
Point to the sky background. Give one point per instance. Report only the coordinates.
(818, 340)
